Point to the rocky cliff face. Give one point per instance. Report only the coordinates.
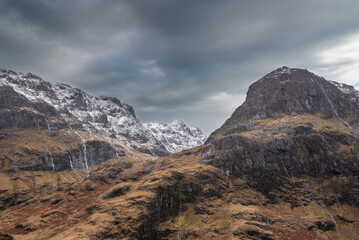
(29, 101)
(292, 122)
(291, 91)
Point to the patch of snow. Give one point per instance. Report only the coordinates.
(346, 89)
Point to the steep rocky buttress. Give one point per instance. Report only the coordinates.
(292, 122)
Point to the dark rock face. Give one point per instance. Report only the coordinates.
(22, 119)
(116, 192)
(294, 92)
(323, 225)
(313, 155)
(17, 111)
(98, 152)
(95, 153)
(10, 98)
(292, 123)
(171, 199)
(169, 202)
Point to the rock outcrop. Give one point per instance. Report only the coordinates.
(292, 123)
(292, 91)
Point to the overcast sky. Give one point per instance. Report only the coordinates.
(180, 59)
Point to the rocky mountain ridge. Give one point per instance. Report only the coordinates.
(176, 135)
(61, 106)
(292, 122)
(292, 91)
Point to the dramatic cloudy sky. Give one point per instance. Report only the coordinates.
(179, 59)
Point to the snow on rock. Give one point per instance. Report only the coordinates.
(348, 90)
(176, 136)
(103, 115)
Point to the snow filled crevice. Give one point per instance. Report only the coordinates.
(331, 103)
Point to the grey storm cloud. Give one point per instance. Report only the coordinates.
(181, 59)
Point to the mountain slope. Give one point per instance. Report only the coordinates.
(62, 106)
(292, 122)
(295, 92)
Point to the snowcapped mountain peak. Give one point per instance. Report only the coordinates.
(177, 122)
(107, 116)
(176, 136)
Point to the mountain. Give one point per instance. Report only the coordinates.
(59, 106)
(295, 92)
(176, 135)
(283, 166)
(292, 122)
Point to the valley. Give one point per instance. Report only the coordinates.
(283, 166)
